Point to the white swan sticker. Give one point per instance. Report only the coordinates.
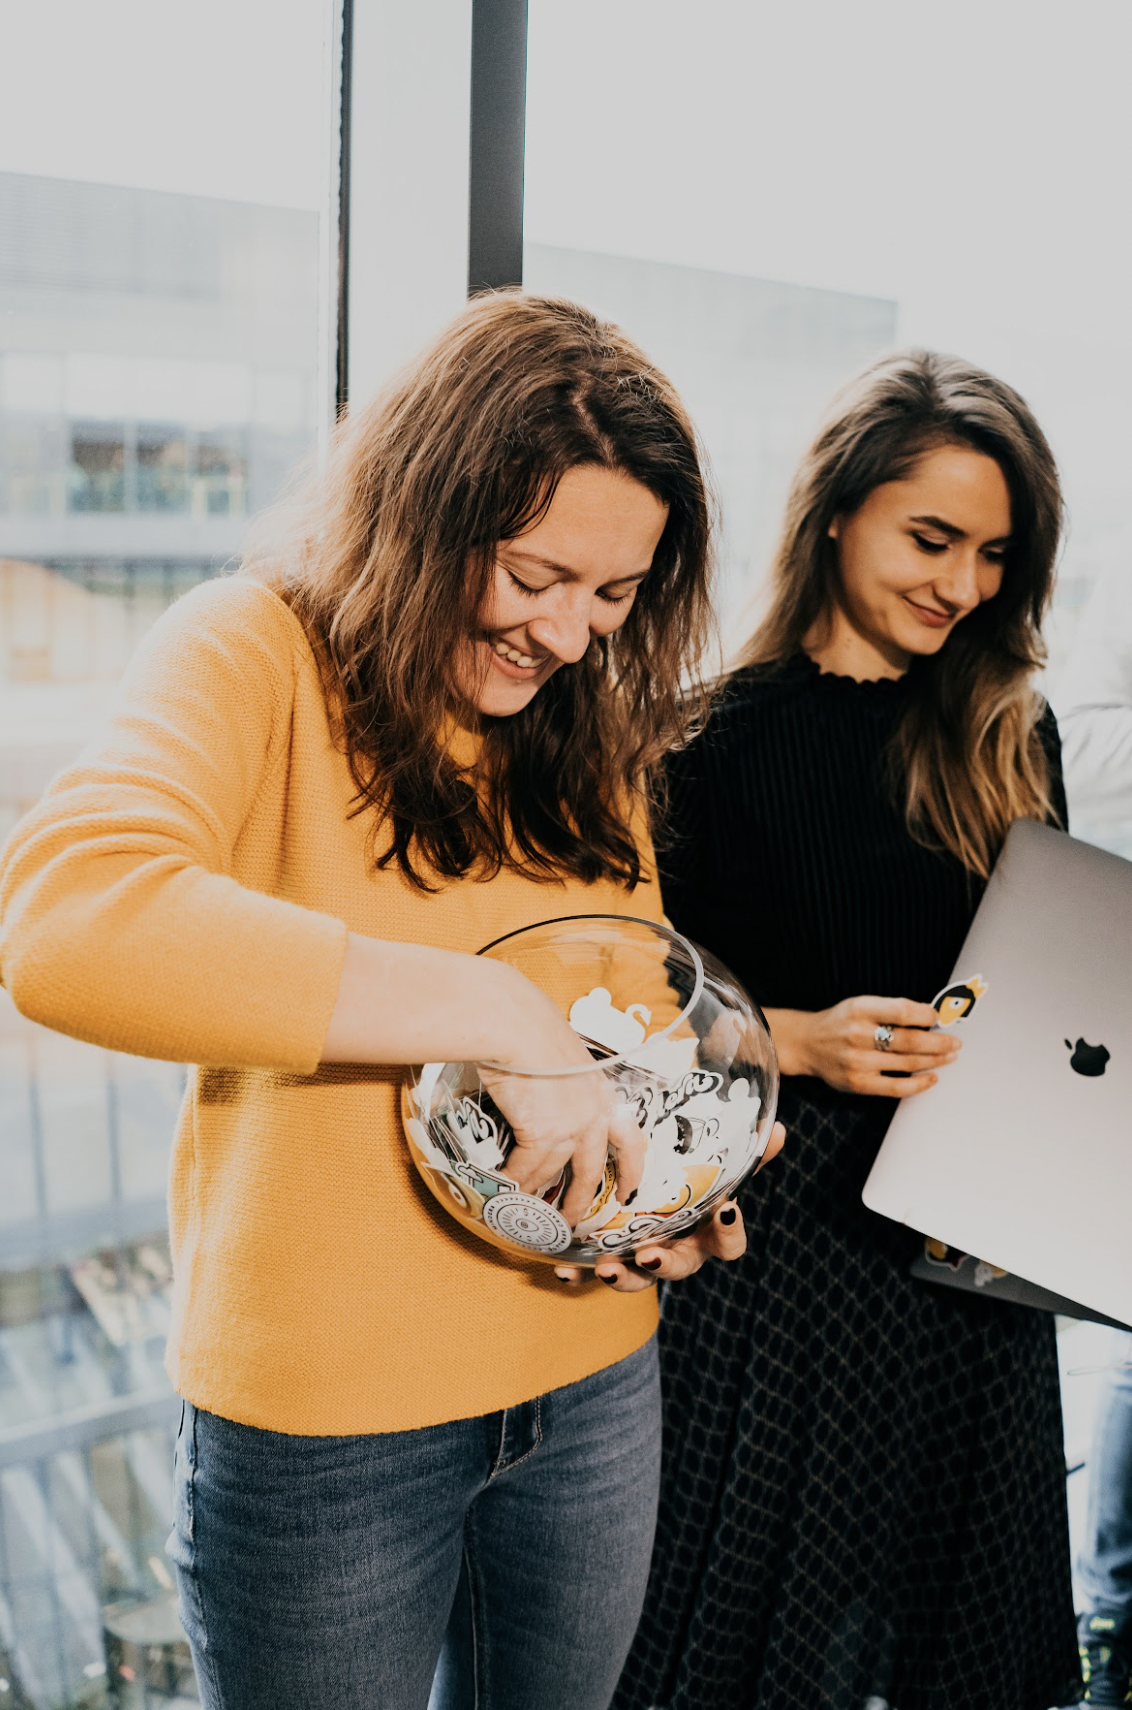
(620, 1030)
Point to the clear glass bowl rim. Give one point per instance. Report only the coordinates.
(675, 938)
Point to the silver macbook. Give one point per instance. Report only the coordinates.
(1021, 1153)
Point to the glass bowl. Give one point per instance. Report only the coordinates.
(677, 1040)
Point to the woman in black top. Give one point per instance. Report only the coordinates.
(864, 1489)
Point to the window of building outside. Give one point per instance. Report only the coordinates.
(768, 197)
(165, 354)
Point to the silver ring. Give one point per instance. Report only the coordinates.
(882, 1037)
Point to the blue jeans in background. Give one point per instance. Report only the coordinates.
(1105, 1565)
(321, 1573)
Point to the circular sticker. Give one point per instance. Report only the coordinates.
(527, 1221)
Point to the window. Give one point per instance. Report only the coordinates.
(165, 355)
(96, 476)
(766, 197)
(220, 477)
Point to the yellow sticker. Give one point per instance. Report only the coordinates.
(956, 1001)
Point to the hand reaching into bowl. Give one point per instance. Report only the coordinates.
(572, 1118)
(410, 1003)
(723, 1237)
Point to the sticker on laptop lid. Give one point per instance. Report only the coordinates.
(940, 1253)
(956, 1001)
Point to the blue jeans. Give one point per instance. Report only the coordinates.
(329, 1573)
(1105, 1566)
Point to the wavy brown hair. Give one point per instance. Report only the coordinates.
(396, 551)
(966, 754)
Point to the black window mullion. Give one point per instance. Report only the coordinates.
(497, 144)
(342, 387)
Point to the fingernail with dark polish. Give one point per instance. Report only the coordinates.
(728, 1215)
(630, 1198)
(649, 1264)
(610, 1280)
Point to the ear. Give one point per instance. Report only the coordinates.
(834, 529)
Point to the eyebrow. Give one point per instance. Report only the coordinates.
(562, 570)
(954, 533)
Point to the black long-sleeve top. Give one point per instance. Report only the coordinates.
(786, 850)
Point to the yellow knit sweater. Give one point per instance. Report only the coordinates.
(184, 891)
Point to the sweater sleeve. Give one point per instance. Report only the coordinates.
(120, 920)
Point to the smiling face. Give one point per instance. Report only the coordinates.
(914, 559)
(570, 578)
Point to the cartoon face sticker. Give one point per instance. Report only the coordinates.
(955, 1002)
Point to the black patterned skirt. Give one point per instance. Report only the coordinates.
(864, 1478)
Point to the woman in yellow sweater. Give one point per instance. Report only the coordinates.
(428, 722)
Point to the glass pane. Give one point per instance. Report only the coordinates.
(767, 196)
(163, 364)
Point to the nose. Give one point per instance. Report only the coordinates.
(564, 628)
(960, 588)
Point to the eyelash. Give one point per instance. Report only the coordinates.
(610, 599)
(935, 547)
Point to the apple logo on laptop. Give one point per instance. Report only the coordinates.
(1087, 1059)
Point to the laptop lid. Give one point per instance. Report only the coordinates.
(1022, 1152)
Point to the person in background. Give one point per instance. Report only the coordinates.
(428, 718)
(1093, 694)
(1104, 1565)
(1094, 702)
(863, 1497)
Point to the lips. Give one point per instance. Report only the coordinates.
(929, 616)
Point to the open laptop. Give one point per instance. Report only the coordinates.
(1021, 1153)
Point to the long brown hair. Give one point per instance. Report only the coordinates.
(966, 754)
(466, 450)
